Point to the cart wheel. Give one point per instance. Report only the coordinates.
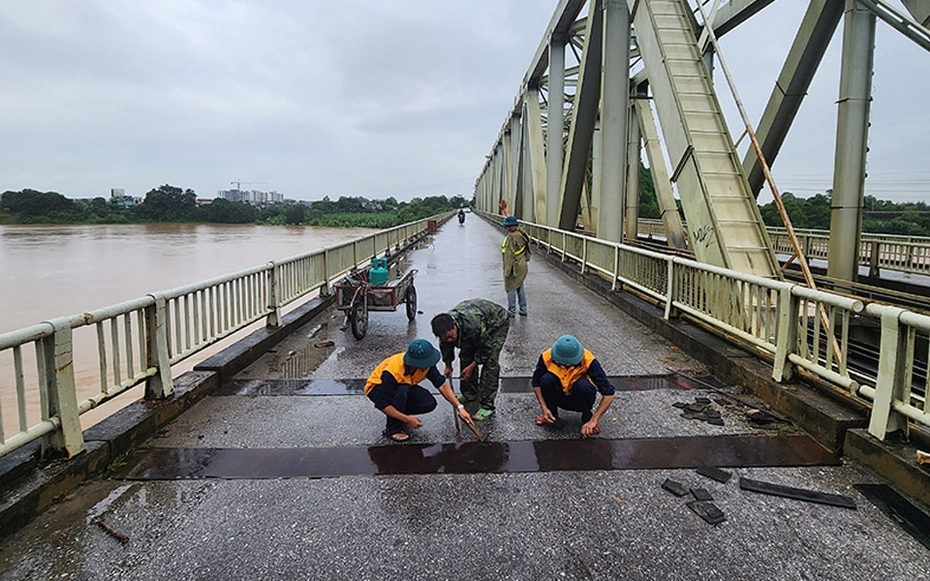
(358, 318)
(411, 300)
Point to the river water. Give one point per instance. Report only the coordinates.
(53, 271)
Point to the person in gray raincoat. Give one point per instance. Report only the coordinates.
(515, 253)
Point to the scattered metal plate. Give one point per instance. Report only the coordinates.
(715, 473)
(901, 510)
(676, 488)
(475, 457)
(701, 494)
(708, 511)
(797, 493)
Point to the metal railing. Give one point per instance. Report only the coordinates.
(122, 346)
(910, 254)
(788, 324)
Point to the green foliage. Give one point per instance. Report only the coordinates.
(226, 212)
(648, 201)
(31, 206)
(878, 216)
(352, 220)
(295, 214)
(167, 204)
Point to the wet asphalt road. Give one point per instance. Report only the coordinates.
(459, 519)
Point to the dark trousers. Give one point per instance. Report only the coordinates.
(481, 386)
(408, 399)
(581, 399)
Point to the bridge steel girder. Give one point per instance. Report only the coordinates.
(674, 230)
(584, 119)
(609, 197)
(919, 9)
(534, 159)
(632, 194)
(555, 123)
(852, 131)
(724, 221)
(817, 28)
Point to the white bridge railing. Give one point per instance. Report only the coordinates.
(788, 324)
(878, 252)
(138, 341)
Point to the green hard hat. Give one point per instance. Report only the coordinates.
(567, 350)
(421, 353)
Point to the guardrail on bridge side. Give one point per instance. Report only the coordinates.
(897, 253)
(792, 325)
(139, 340)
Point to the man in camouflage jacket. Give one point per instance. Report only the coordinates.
(478, 328)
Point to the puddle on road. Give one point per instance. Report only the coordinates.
(252, 387)
(476, 457)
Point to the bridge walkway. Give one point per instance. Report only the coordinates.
(282, 473)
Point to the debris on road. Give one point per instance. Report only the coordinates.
(113, 532)
(715, 473)
(676, 488)
(707, 511)
(797, 493)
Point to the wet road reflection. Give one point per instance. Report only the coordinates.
(475, 457)
(296, 386)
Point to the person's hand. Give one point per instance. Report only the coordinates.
(466, 417)
(548, 416)
(413, 422)
(447, 372)
(469, 369)
(590, 428)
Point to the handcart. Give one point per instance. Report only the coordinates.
(356, 297)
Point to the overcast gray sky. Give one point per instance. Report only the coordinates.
(370, 98)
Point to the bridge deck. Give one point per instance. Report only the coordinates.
(283, 472)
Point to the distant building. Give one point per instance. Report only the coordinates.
(118, 197)
(254, 197)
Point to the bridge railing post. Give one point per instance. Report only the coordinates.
(274, 304)
(874, 256)
(325, 287)
(160, 385)
(786, 334)
(616, 273)
(891, 381)
(584, 255)
(58, 396)
(670, 310)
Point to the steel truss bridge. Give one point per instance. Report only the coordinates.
(622, 79)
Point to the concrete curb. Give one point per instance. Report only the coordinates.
(894, 461)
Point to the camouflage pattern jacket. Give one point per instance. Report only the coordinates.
(482, 328)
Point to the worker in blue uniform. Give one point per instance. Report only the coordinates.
(394, 388)
(569, 377)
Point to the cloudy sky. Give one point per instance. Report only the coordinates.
(370, 98)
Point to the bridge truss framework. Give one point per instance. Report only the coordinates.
(632, 76)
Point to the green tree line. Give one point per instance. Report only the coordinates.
(173, 204)
(169, 203)
(878, 216)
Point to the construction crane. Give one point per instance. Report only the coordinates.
(238, 184)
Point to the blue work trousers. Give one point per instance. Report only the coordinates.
(408, 399)
(581, 399)
(517, 295)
